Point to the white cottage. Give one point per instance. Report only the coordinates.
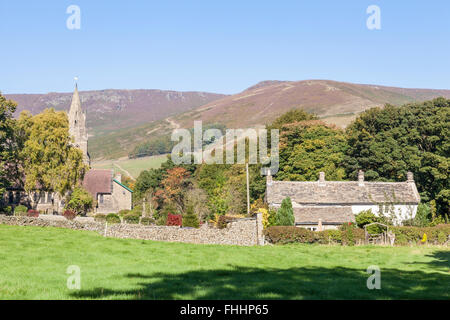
(320, 205)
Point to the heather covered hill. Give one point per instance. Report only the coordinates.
(109, 110)
(331, 100)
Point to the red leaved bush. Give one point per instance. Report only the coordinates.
(174, 220)
(69, 214)
(33, 213)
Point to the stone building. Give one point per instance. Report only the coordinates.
(108, 191)
(320, 205)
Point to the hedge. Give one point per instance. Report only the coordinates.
(112, 218)
(348, 235)
(147, 221)
(132, 218)
(413, 235)
(284, 235)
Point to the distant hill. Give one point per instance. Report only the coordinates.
(110, 110)
(119, 120)
(331, 100)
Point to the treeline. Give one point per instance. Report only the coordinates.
(384, 142)
(163, 145)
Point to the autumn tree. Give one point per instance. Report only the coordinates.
(50, 162)
(174, 187)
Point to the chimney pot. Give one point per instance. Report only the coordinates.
(361, 177)
(410, 177)
(321, 177)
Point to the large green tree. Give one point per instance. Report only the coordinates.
(50, 162)
(308, 147)
(8, 146)
(388, 142)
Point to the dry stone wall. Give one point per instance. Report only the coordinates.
(243, 232)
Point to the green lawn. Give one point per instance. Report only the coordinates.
(33, 263)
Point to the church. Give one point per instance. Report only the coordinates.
(109, 193)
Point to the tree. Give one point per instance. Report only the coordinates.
(174, 187)
(285, 215)
(50, 162)
(80, 200)
(190, 219)
(388, 142)
(309, 147)
(8, 147)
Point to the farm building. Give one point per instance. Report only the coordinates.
(320, 205)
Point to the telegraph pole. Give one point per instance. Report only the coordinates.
(248, 190)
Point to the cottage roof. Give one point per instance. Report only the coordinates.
(342, 192)
(98, 181)
(306, 215)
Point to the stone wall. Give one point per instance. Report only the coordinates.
(243, 232)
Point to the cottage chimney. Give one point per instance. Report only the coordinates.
(118, 177)
(361, 178)
(409, 177)
(321, 178)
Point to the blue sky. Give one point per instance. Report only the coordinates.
(220, 46)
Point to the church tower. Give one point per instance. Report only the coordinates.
(77, 126)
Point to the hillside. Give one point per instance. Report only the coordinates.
(330, 100)
(119, 120)
(110, 110)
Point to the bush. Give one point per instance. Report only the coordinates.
(413, 235)
(113, 218)
(33, 213)
(132, 218)
(80, 201)
(69, 214)
(147, 221)
(6, 210)
(99, 217)
(174, 220)
(365, 217)
(222, 221)
(190, 219)
(289, 234)
(285, 215)
(20, 210)
(123, 213)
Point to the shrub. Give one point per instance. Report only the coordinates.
(33, 213)
(174, 220)
(7, 210)
(80, 201)
(289, 234)
(190, 219)
(413, 235)
(113, 218)
(132, 218)
(123, 213)
(222, 221)
(365, 217)
(285, 215)
(147, 221)
(99, 217)
(20, 210)
(69, 214)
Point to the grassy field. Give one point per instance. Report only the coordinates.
(33, 264)
(131, 166)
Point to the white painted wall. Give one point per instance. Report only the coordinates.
(400, 211)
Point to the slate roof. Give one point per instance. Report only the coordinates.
(98, 181)
(329, 215)
(342, 192)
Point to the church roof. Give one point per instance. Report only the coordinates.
(98, 181)
(342, 192)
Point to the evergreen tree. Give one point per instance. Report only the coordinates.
(190, 219)
(285, 215)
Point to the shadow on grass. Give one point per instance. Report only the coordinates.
(293, 283)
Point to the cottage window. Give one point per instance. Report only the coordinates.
(101, 198)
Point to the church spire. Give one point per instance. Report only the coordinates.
(77, 125)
